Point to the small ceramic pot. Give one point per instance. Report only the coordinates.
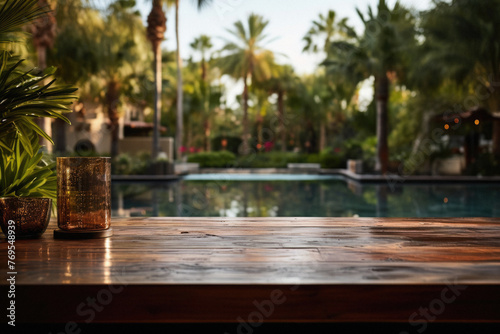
(29, 215)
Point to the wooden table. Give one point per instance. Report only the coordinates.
(178, 270)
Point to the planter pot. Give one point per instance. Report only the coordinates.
(29, 215)
(355, 166)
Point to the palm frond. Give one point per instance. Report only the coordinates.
(14, 14)
(24, 97)
(22, 174)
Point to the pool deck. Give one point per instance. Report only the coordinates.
(391, 179)
(322, 270)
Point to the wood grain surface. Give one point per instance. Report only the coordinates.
(221, 269)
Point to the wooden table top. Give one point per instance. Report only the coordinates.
(251, 257)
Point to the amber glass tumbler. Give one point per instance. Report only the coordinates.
(83, 193)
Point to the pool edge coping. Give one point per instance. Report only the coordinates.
(362, 178)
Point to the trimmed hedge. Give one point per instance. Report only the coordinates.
(282, 159)
(219, 159)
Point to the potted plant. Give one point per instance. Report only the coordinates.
(27, 180)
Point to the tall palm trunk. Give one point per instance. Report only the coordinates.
(112, 99)
(157, 109)
(245, 145)
(44, 123)
(44, 34)
(281, 116)
(382, 92)
(156, 32)
(206, 104)
(322, 136)
(180, 124)
(203, 68)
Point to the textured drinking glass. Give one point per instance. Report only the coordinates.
(83, 194)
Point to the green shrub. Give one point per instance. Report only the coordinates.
(327, 159)
(219, 159)
(331, 161)
(270, 160)
(121, 164)
(266, 160)
(125, 164)
(313, 158)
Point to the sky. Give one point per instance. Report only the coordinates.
(289, 21)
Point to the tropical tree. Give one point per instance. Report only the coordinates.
(282, 80)
(43, 34)
(121, 56)
(180, 125)
(467, 52)
(156, 32)
(203, 45)
(106, 49)
(179, 129)
(87, 56)
(245, 58)
(326, 29)
(383, 51)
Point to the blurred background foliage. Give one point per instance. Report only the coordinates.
(420, 65)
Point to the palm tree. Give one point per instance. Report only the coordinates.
(326, 28)
(156, 32)
(157, 25)
(466, 51)
(44, 34)
(246, 59)
(120, 56)
(382, 51)
(102, 51)
(283, 79)
(203, 45)
(179, 129)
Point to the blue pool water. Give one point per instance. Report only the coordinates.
(257, 195)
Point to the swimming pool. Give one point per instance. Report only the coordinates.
(275, 195)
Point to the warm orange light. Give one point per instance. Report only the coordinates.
(445, 200)
(446, 126)
(476, 122)
(259, 146)
(456, 120)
